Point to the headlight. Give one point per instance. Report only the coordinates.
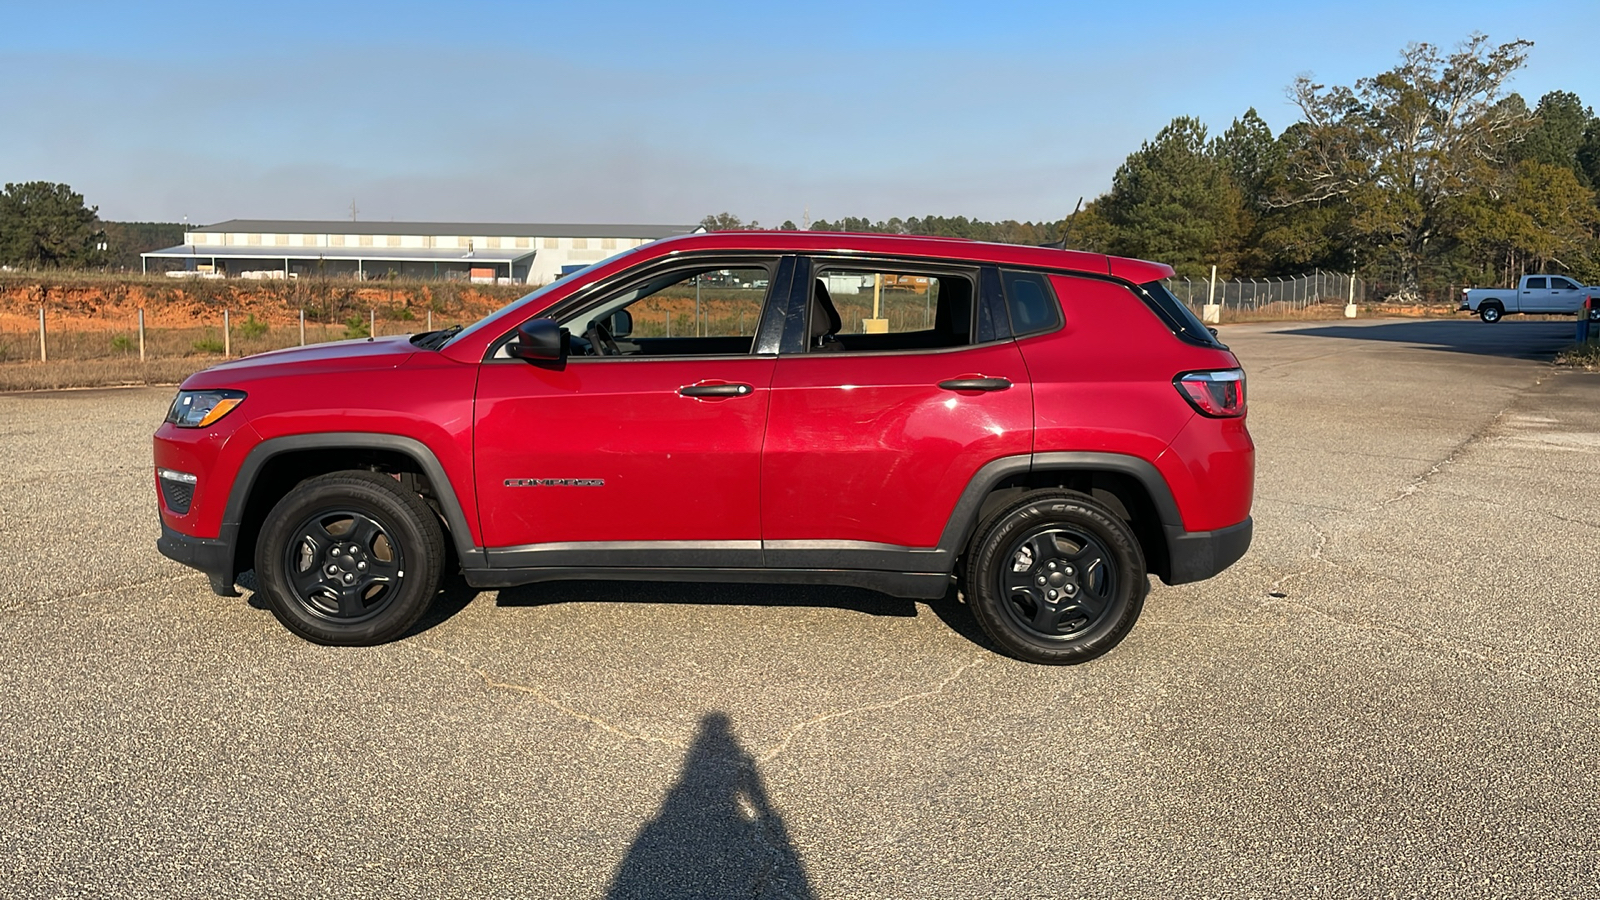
(197, 409)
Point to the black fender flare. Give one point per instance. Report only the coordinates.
(258, 457)
(964, 518)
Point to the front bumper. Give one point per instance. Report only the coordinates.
(213, 556)
(1198, 555)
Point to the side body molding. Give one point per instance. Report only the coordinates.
(460, 534)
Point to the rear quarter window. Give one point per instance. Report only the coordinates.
(1178, 316)
(1030, 303)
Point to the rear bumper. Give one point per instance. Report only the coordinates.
(213, 556)
(1198, 555)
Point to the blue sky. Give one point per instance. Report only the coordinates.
(667, 111)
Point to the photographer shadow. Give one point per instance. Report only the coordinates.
(716, 833)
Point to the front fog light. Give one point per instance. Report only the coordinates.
(177, 489)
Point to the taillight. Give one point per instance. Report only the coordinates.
(1218, 394)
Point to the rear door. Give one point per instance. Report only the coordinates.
(877, 425)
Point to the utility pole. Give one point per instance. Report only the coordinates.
(353, 209)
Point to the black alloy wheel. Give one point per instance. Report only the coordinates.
(1057, 581)
(343, 565)
(1055, 578)
(350, 558)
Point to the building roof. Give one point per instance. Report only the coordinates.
(368, 254)
(484, 229)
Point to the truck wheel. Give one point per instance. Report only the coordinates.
(1490, 312)
(1055, 578)
(350, 558)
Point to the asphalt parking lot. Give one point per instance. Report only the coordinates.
(1394, 694)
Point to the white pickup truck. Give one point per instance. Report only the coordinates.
(1550, 294)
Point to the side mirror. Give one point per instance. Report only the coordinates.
(540, 340)
(621, 323)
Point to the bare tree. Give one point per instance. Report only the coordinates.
(1400, 146)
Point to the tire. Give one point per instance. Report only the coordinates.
(1083, 553)
(1490, 312)
(350, 559)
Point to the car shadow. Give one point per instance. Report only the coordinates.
(716, 834)
(455, 595)
(547, 593)
(1535, 340)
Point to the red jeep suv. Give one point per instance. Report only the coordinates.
(1043, 427)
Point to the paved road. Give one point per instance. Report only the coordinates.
(1395, 693)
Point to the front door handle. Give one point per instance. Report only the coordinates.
(716, 390)
(976, 384)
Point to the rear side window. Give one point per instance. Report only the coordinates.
(1030, 303)
(1536, 284)
(1178, 317)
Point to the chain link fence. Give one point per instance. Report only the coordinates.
(1267, 296)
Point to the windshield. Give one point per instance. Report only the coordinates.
(529, 299)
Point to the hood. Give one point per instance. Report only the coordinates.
(338, 356)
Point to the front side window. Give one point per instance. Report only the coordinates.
(870, 309)
(684, 312)
(1562, 284)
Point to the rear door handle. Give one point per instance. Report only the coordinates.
(716, 390)
(976, 384)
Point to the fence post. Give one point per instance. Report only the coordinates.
(227, 337)
(1211, 313)
(141, 334)
(44, 356)
(372, 324)
(302, 326)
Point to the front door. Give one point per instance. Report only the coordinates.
(644, 449)
(1566, 295)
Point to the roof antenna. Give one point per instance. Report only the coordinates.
(1066, 229)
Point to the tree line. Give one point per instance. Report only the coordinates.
(1426, 175)
(44, 225)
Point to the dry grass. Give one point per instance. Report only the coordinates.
(1585, 356)
(51, 376)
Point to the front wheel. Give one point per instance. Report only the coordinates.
(1056, 578)
(350, 558)
(1490, 312)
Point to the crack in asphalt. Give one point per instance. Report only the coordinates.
(544, 699)
(778, 749)
(98, 592)
(1426, 478)
(1495, 658)
(794, 732)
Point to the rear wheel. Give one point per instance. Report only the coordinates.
(1055, 578)
(1490, 312)
(350, 558)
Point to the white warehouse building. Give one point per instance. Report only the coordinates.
(276, 248)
